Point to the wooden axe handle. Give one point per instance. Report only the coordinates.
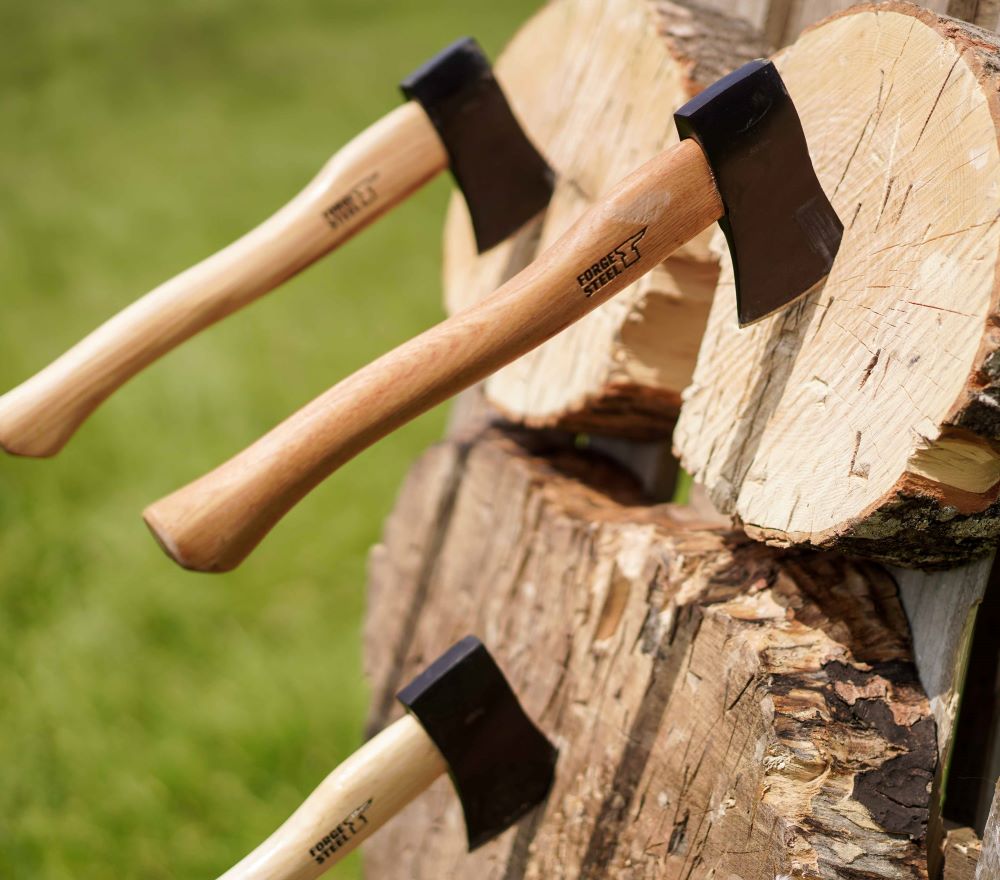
(213, 523)
(375, 171)
(357, 798)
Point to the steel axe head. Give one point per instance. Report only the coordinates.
(499, 762)
(503, 177)
(783, 233)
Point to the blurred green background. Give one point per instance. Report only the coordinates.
(155, 723)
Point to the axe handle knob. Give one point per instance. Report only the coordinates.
(357, 798)
(214, 523)
(375, 171)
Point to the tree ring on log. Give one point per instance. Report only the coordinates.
(597, 110)
(866, 417)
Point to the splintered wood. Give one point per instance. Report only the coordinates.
(723, 710)
(596, 112)
(866, 417)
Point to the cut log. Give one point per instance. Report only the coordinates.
(866, 417)
(723, 710)
(597, 112)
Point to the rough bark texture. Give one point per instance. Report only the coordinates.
(633, 62)
(723, 710)
(865, 417)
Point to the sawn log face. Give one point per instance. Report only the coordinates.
(723, 709)
(866, 417)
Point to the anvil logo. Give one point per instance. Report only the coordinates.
(611, 265)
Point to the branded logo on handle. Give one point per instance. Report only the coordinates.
(349, 826)
(360, 196)
(611, 265)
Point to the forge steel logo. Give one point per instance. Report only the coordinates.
(360, 196)
(611, 265)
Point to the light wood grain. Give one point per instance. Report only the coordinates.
(620, 369)
(376, 170)
(212, 524)
(864, 417)
(353, 802)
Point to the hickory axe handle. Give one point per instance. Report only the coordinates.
(372, 173)
(363, 793)
(214, 523)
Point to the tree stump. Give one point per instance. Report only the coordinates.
(597, 111)
(722, 709)
(865, 417)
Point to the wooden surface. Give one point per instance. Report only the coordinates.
(941, 608)
(722, 709)
(212, 524)
(989, 860)
(377, 170)
(353, 802)
(862, 418)
(622, 368)
(961, 854)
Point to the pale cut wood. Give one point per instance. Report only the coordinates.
(375, 171)
(723, 710)
(864, 418)
(596, 110)
(212, 524)
(989, 859)
(354, 801)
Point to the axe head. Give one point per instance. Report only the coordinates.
(503, 177)
(499, 762)
(782, 231)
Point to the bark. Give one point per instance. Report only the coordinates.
(722, 709)
(866, 417)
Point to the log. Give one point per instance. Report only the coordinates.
(864, 417)
(723, 709)
(632, 63)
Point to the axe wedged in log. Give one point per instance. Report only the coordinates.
(456, 117)
(464, 719)
(742, 161)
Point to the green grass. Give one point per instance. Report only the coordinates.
(157, 723)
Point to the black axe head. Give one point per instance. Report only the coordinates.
(499, 762)
(782, 231)
(503, 177)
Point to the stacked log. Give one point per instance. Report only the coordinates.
(725, 709)
(722, 709)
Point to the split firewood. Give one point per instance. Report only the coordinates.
(865, 417)
(597, 112)
(722, 709)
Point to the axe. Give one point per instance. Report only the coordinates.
(456, 116)
(742, 160)
(463, 719)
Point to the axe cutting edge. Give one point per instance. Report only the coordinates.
(463, 719)
(743, 159)
(456, 116)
